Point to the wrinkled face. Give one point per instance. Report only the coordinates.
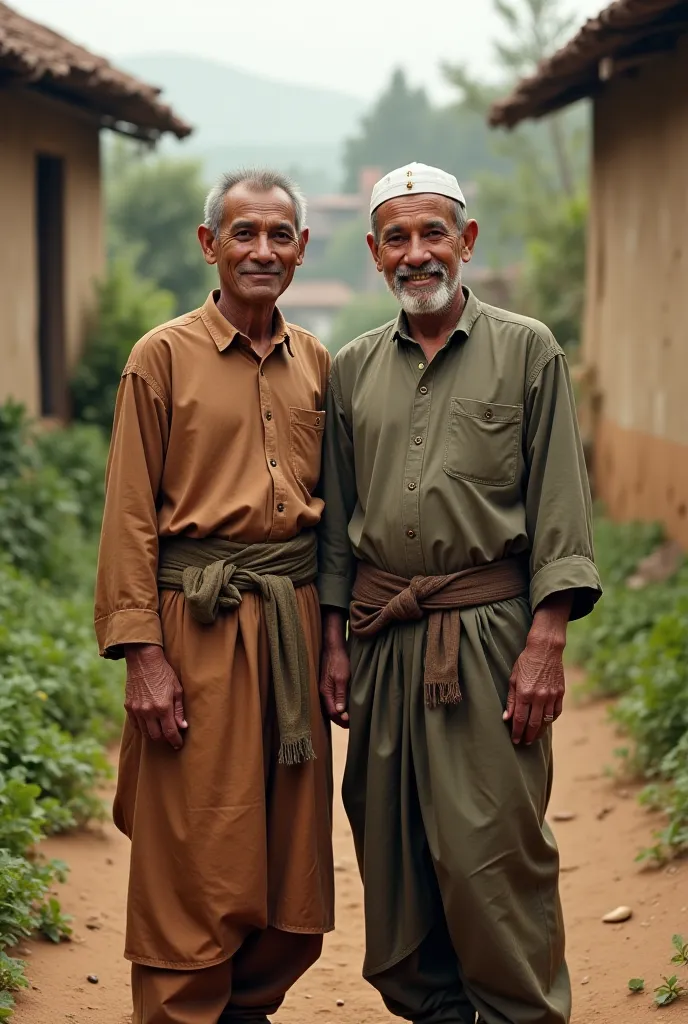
(258, 247)
(420, 251)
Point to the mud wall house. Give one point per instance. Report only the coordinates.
(632, 61)
(55, 98)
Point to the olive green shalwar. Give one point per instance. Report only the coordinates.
(432, 469)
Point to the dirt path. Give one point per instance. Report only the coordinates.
(599, 873)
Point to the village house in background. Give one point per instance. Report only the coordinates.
(54, 99)
(633, 61)
(315, 304)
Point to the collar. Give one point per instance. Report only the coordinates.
(223, 333)
(471, 311)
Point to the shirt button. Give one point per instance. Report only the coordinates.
(418, 440)
(262, 373)
(423, 390)
(280, 507)
(488, 414)
(411, 486)
(273, 462)
(268, 415)
(421, 366)
(411, 533)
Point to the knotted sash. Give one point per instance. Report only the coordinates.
(212, 573)
(380, 598)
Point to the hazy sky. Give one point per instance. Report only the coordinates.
(350, 46)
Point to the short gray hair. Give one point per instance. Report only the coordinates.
(261, 181)
(460, 216)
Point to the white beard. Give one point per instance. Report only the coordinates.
(436, 301)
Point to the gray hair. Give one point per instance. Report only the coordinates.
(261, 181)
(460, 216)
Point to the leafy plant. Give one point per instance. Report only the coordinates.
(681, 954)
(635, 646)
(669, 991)
(52, 923)
(636, 985)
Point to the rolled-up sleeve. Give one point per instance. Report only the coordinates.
(558, 503)
(126, 599)
(338, 488)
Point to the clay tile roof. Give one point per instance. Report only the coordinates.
(33, 56)
(622, 36)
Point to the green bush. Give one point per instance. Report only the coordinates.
(128, 307)
(58, 701)
(635, 646)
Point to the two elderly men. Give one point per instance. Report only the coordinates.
(457, 542)
(206, 585)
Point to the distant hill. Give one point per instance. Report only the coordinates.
(243, 118)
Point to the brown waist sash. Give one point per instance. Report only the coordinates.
(380, 598)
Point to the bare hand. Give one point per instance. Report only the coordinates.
(154, 695)
(536, 689)
(335, 672)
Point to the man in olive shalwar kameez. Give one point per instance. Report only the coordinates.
(457, 540)
(206, 586)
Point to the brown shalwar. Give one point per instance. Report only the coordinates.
(231, 851)
(431, 469)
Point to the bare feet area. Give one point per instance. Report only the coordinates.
(604, 829)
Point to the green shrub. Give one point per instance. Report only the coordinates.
(635, 646)
(128, 307)
(59, 702)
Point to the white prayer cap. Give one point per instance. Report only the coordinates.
(414, 178)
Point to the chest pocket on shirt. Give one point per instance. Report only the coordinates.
(483, 440)
(306, 428)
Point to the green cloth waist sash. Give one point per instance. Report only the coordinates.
(212, 574)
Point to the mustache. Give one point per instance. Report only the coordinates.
(257, 268)
(429, 267)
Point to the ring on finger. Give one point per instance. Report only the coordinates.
(548, 718)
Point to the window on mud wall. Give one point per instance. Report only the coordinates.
(50, 278)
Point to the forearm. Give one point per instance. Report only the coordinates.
(551, 619)
(334, 627)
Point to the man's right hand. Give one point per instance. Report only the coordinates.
(335, 668)
(154, 694)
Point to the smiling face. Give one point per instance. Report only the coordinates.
(257, 248)
(420, 250)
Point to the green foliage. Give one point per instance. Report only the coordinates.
(403, 126)
(669, 991)
(536, 214)
(635, 646)
(154, 209)
(553, 278)
(362, 314)
(681, 955)
(58, 701)
(636, 985)
(128, 307)
(41, 509)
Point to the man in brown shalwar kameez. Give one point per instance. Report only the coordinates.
(206, 587)
(457, 540)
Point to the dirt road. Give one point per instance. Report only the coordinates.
(597, 844)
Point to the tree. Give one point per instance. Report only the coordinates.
(538, 213)
(403, 126)
(154, 207)
(535, 30)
